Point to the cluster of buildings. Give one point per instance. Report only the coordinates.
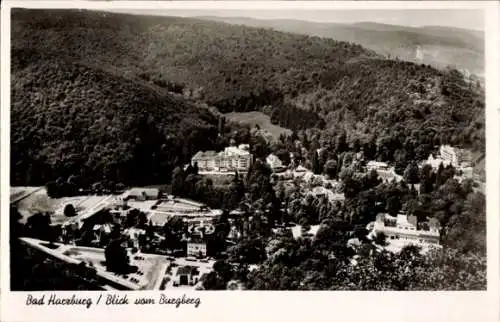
(158, 208)
(233, 158)
(154, 272)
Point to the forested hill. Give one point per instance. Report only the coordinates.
(438, 46)
(300, 81)
(69, 119)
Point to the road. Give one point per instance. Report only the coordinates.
(157, 274)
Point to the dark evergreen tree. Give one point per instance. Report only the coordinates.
(178, 182)
(411, 173)
(116, 257)
(69, 210)
(315, 163)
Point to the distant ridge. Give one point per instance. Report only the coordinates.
(439, 46)
(92, 92)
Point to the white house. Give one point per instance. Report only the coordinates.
(197, 249)
(297, 231)
(376, 165)
(274, 162)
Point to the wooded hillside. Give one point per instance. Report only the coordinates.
(84, 93)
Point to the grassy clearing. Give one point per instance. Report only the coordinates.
(260, 119)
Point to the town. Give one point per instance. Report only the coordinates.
(158, 152)
(149, 239)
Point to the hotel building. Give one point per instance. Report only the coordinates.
(232, 158)
(405, 229)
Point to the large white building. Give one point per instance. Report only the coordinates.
(232, 158)
(436, 162)
(457, 157)
(448, 155)
(404, 230)
(197, 249)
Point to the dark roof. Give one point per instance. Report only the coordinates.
(184, 270)
(196, 240)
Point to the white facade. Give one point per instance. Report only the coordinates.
(232, 158)
(436, 162)
(457, 157)
(375, 165)
(141, 194)
(404, 229)
(197, 249)
(273, 161)
(298, 233)
(449, 154)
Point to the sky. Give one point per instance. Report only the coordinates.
(460, 18)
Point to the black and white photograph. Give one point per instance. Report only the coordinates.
(247, 150)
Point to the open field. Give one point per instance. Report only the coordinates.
(39, 201)
(260, 119)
